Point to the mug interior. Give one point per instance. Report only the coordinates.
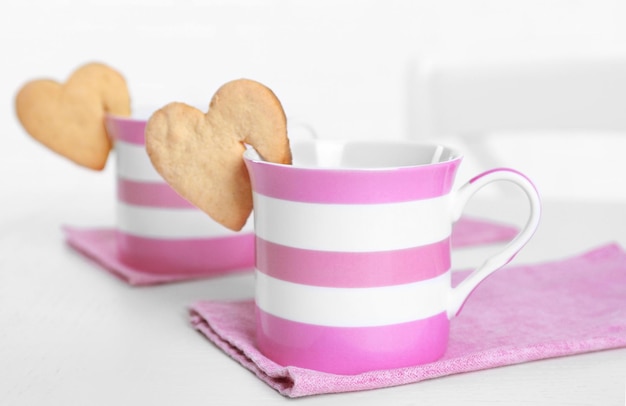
(333, 154)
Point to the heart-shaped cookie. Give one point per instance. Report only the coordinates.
(201, 155)
(68, 118)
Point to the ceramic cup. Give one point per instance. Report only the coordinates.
(158, 231)
(353, 252)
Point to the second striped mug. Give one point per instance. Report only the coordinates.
(353, 252)
(158, 231)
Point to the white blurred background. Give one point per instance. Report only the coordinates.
(343, 67)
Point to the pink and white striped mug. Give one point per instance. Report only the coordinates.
(157, 230)
(353, 252)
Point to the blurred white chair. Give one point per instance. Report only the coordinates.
(580, 100)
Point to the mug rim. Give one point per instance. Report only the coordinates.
(251, 155)
(134, 117)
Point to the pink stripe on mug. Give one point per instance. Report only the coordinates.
(126, 129)
(167, 256)
(150, 194)
(343, 304)
(352, 269)
(353, 350)
(200, 247)
(359, 185)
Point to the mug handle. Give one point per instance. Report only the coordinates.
(460, 293)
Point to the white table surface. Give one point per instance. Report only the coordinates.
(71, 333)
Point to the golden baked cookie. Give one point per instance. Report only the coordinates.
(201, 154)
(68, 118)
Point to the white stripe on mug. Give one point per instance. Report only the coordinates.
(341, 227)
(169, 223)
(133, 163)
(352, 307)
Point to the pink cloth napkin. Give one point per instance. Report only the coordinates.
(98, 244)
(518, 314)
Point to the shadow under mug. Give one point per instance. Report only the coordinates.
(157, 230)
(353, 252)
